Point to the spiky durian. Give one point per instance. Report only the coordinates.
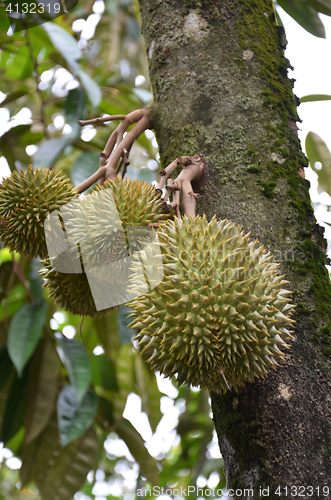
(70, 291)
(220, 317)
(100, 221)
(26, 199)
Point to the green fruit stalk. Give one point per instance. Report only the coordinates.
(220, 317)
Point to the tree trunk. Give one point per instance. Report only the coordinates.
(221, 90)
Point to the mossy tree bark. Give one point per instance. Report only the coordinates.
(221, 90)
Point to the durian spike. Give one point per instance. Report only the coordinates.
(226, 382)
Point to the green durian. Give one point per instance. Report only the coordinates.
(26, 199)
(220, 317)
(70, 291)
(99, 222)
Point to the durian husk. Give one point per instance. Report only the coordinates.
(70, 291)
(221, 316)
(100, 223)
(26, 199)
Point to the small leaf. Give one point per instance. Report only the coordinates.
(91, 87)
(135, 443)
(74, 109)
(51, 150)
(65, 43)
(24, 333)
(317, 151)
(305, 15)
(315, 97)
(41, 389)
(74, 419)
(77, 363)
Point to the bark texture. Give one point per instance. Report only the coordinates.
(221, 90)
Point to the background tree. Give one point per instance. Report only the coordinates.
(215, 69)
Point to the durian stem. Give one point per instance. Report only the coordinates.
(181, 160)
(91, 180)
(193, 167)
(125, 143)
(189, 203)
(115, 155)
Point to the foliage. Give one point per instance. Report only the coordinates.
(305, 13)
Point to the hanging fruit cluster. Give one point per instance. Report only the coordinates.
(219, 317)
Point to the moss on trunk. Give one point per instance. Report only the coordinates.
(221, 90)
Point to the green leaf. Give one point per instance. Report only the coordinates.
(13, 418)
(322, 6)
(305, 15)
(84, 166)
(41, 389)
(77, 363)
(65, 43)
(74, 107)
(74, 419)
(103, 373)
(50, 151)
(58, 472)
(16, 94)
(135, 443)
(315, 97)
(6, 366)
(317, 151)
(91, 87)
(148, 391)
(24, 333)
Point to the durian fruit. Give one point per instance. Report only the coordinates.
(220, 317)
(70, 291)
(100, 221)
(98, 224)
(26, 199)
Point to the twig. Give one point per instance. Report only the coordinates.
(102, 119)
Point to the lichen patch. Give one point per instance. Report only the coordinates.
(284, 391)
